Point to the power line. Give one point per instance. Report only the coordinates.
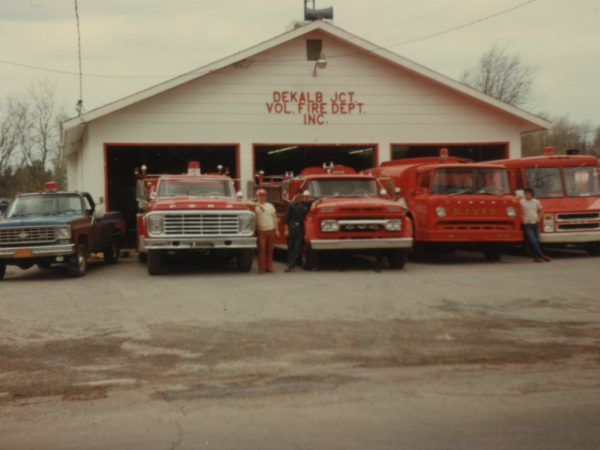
(374, 48)
(67, 72)
(465, 25)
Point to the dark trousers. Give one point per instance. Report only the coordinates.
(294, 242)
(532, 237)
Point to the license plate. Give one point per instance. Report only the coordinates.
(23, 253)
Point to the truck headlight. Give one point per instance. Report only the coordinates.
(330, 226)
(548, 223)
(440, 211)
(63, 233)
(511, 212)
(246, 223)
(393, 225)
(156, 224)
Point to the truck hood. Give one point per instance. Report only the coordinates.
(356, 203)
(570, 204)
(36, 221)
(197, 203)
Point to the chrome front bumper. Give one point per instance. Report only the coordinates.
(36, 252)
(571, 237)
(207, 243)
(360, 244)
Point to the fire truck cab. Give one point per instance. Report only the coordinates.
(453, 202)
(568, 188)
(351, 212)
(192, 212)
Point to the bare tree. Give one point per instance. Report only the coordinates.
(29, 140)
(502, 75)
(562, 135)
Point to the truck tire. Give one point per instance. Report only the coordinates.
(112, 252)
(244, 260)
(492, 252)
(155, 266)
(397, 258)
(2, 270)
(310, 261)
(593, 248)
(77, 266)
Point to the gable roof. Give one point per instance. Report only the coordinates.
(74, 128)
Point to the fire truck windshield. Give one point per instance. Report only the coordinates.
(470, 180)
(581, 181)
(195, 187)
(45, 205)
(352, 187)
(545, 181)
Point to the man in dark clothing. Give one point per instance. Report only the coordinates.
(294, 227)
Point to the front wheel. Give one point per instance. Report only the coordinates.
(310, 261)
(154, 262)
(111, 253)
(397, 258)
(593, 248)
(244, 260)
(2, 270)
(77, 266)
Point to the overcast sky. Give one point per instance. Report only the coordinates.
(128, 45)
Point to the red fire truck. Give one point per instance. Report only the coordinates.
(192, 212)
(568, 188)
(453, 202)
(351, 212)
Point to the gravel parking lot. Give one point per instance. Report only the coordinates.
(454, 352)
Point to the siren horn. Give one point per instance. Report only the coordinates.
(317, 14)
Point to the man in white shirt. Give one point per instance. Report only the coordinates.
(266, 226)
(532, 214)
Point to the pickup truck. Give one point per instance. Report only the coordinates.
(57, 228)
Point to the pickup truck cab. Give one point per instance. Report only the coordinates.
(351, 212)
(57, 228)
(568, 187)
(192, 212)
(454, 203)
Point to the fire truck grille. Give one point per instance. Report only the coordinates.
(578, 216)
(578, 226)
(27, 236)
(201, 224)
(476, 226)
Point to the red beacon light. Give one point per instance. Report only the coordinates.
(548, 151)
(193, 168)
(51, 186)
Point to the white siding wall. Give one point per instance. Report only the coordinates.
(230, 106)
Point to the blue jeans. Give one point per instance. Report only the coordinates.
(532, 237)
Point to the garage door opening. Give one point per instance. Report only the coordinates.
(279, 159)
(476, 152)
(121, 161)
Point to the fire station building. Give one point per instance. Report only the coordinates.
(314, 94)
